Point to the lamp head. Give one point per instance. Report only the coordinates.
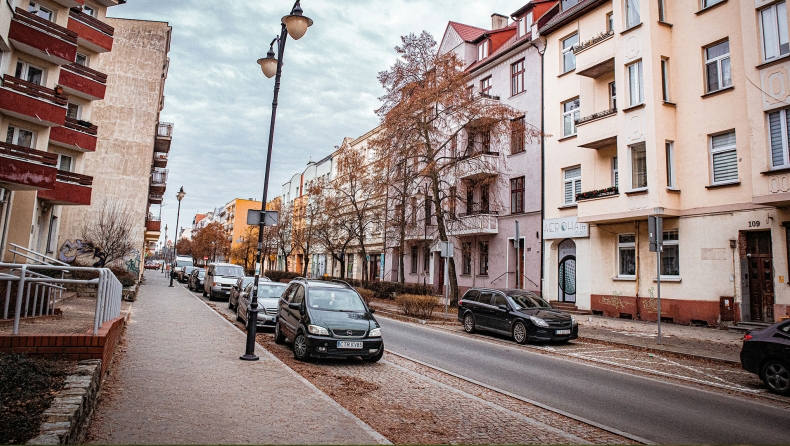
(180, 194)
(268, 64)
(296, 23)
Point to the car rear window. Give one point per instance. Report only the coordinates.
(485, 298)
(471, 296)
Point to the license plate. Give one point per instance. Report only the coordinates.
(563, 332)
(348, 344)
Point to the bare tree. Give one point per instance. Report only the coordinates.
(245, 249)
(111, 230)
(284, 231)
(335, 230)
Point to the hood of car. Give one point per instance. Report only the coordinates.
(547, 314)
(339, 320)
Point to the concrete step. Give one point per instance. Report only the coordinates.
(746, 326)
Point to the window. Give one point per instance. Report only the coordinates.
(777, 129)
(570, 114)
(30, 73)
(483, 258)
(454, 146)
(609, 22)
(414, 211)
(709, 3)
(670, 152)
(626, 257)
(453, 200)
(426, 259)
(517, 136)
(665, 79)
(20, 137)
(65, 163)
(612, 96)
(568, 58)
(517, 195)
(81, 60)
(525, 24)
(485, 85)
(485, 204)
(638, 166)
(632, 13)
(470, 200)
(428, 210)
(717, 66)
(413, 259)
(73, 111)
(637, 91)
(88, 10)
(485, 141)
(572, 183)
(37, 9)
(615, 173)
(566, 4)
(670, 254)
(724, 158)
(662, 11)
(482, 50)
(773, 21)
(466, 258)
(517, 78)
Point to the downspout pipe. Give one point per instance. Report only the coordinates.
(542, 160)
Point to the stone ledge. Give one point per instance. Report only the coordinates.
(66, 419)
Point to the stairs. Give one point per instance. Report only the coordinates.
(743, 327)
(569, 308)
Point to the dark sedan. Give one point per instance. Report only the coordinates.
(195, 279)
(236, 289)
(766, 353)
(521, 314)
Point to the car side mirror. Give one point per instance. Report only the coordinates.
(295, 306)
(504, 307)
(372, 310)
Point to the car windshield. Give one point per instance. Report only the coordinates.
(246, 281)
(529, 301)
(229, 271)
(271, 290)
(180, 262)
(201, 274)
(335, 300)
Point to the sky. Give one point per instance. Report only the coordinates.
(220, 102)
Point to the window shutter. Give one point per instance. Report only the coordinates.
(569, 192)
(725, 162)
(775, 129)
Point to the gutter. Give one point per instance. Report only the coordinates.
(542, 159)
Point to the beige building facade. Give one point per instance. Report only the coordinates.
(674, 109)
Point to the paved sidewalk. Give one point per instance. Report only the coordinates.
(178, 379)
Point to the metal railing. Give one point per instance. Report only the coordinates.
(165, 129)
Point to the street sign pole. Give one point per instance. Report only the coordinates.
(446, 251)
(517, 245)
(655, 227)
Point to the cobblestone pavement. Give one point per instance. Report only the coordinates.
(179, 380)
(410, 403)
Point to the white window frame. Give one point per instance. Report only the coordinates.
(85, 56)
(613, 95)
(71, 162)
(610, 21)
(632, 5)
(79, 109)
(636, 93)
(712, 152)
(709, 3)
(615, 173)
(573, 114)
(783, 115)
(718, 60)
(623, 246)
(93, 12)
(672, 179)
(26, 66)
(632, 160)
(483, 49)
(665, 80)
(671, 243)
(569, 49)
(15, 136)
(777, 31)
(575, 183)
(36, 6)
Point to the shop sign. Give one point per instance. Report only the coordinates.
(567, 227)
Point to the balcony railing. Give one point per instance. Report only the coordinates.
(599, 193)
(165, 129)
(27, 154)
(90, 73)
(81, 126)
(34, 90)
(154, 225)
(578, 48)
(44, 25)
(74, 178)
(478, 212)
(93, 22)
(595, 116)
(159, 176)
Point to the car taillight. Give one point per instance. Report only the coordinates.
(460, 302)
(747, 336)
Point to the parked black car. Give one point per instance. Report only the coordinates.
(766, 353)
(517, 313)
(327, 319)
(269, 294)
(195, 280)
(236, 289)
(183, 275)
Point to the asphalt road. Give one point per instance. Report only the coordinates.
(658, 411)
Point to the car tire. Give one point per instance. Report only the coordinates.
(239, 318)
(776, 376)
(520, 332)
(301, 350)
(374, 358)
(469, 323)
(279, 337)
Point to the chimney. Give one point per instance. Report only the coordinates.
(498, 21)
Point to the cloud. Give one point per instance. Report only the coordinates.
(220, 101)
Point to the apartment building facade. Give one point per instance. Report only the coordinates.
(51, 85)
(675, 109)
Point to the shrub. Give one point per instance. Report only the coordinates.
(125, 277)
(366, 294)
(416, 305)
(278, 276)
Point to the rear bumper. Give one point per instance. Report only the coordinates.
(326, 347)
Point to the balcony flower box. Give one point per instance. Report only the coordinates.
(600, 193)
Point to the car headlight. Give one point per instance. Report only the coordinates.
(538, 321)
(573, 321)
(375, 333)
(316, 330)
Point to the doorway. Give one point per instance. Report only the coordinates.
(761, 284)
(566, 275)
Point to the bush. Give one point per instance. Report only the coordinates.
(416, 305)
(366, 294)
(278, 276)
(126, 278)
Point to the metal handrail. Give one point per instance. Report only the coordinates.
(30, 251)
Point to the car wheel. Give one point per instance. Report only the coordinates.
(374, 358)
(520, 333)
(469, 323)
(279, 337)
(776, 375)
(301, 350)
(239, 318)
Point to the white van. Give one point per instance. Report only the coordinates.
(220, 278)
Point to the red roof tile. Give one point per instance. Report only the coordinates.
(468, 33)
(510, 43)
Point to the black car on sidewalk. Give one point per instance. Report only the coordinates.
(520, 314)
(766, 353)
(328, 320)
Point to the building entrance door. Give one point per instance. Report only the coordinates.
(566, 275)
(761, 284)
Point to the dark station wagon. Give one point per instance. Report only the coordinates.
(520, 314)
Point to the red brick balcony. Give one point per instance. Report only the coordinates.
(160, 159)
(22, 168)
(153, 225)
(74, 135)
(39, 37)
(82, 81)
(32, 103)
(70, 189)
(92, 32)
(155, 199)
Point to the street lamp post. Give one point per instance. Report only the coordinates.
(294, 24)
(180, 196)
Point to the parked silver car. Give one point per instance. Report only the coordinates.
(236, 289)
(268, 296)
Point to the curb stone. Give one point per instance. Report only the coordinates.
(66, 419)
